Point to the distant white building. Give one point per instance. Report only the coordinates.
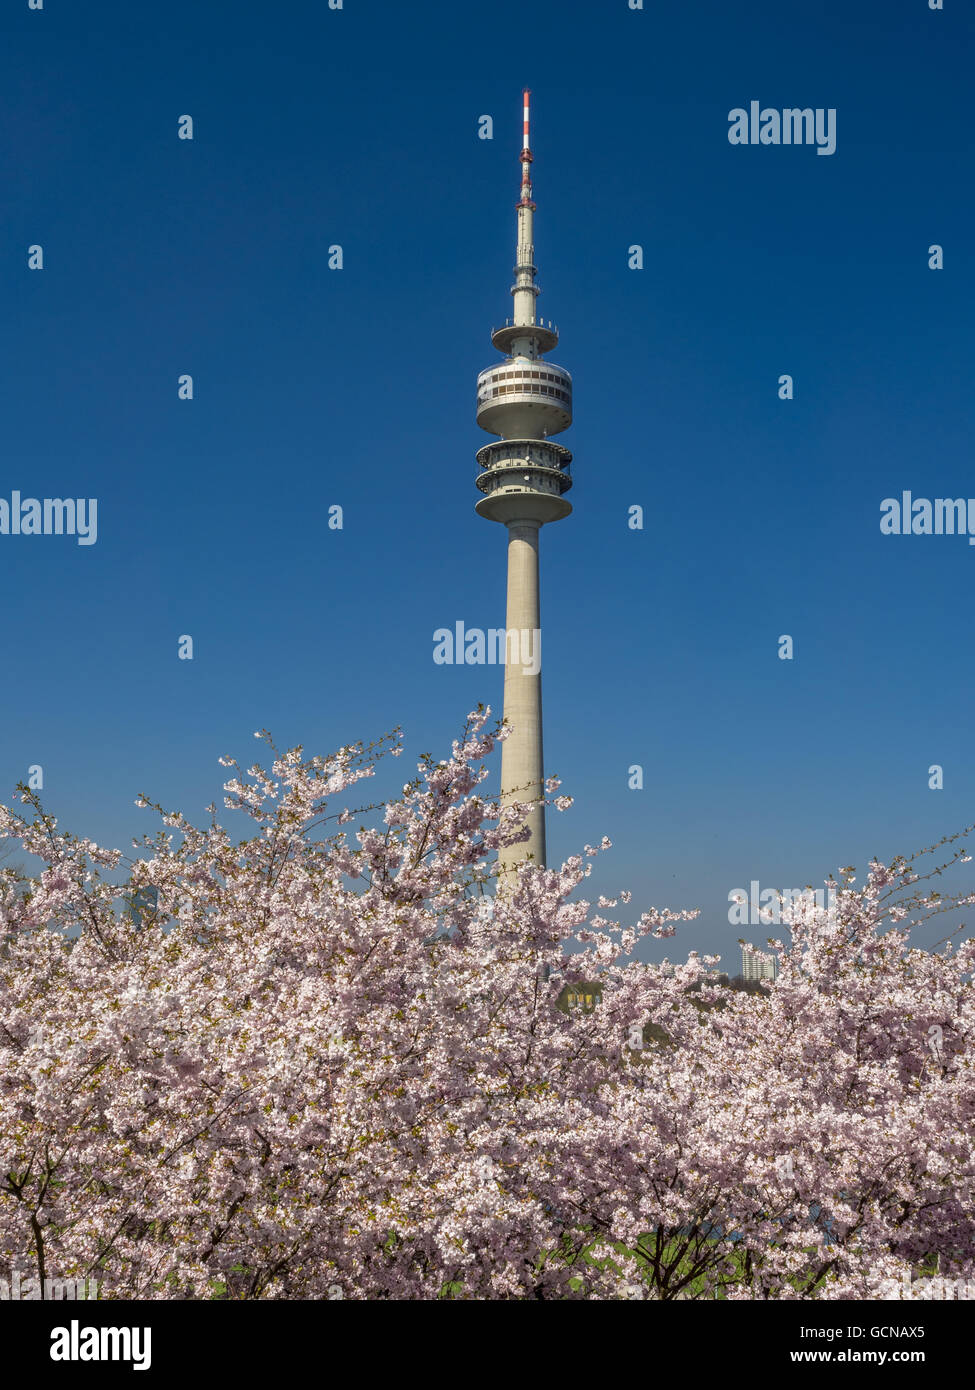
(753, 967)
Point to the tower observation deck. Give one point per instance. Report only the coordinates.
(524, 400)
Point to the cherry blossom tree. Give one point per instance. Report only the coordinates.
(325, 1061)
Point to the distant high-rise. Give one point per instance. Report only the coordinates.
(754, 968)
(524, 400)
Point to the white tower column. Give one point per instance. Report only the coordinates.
(524, 400)
(522, 763)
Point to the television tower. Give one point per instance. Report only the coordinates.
(524, 400)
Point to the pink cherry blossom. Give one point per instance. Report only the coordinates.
(320, 1064)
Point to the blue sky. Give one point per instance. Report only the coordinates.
(356, 387)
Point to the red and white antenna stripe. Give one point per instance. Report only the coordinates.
(527, 143)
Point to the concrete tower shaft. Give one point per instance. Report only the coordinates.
(524, 476)
(522, 756)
